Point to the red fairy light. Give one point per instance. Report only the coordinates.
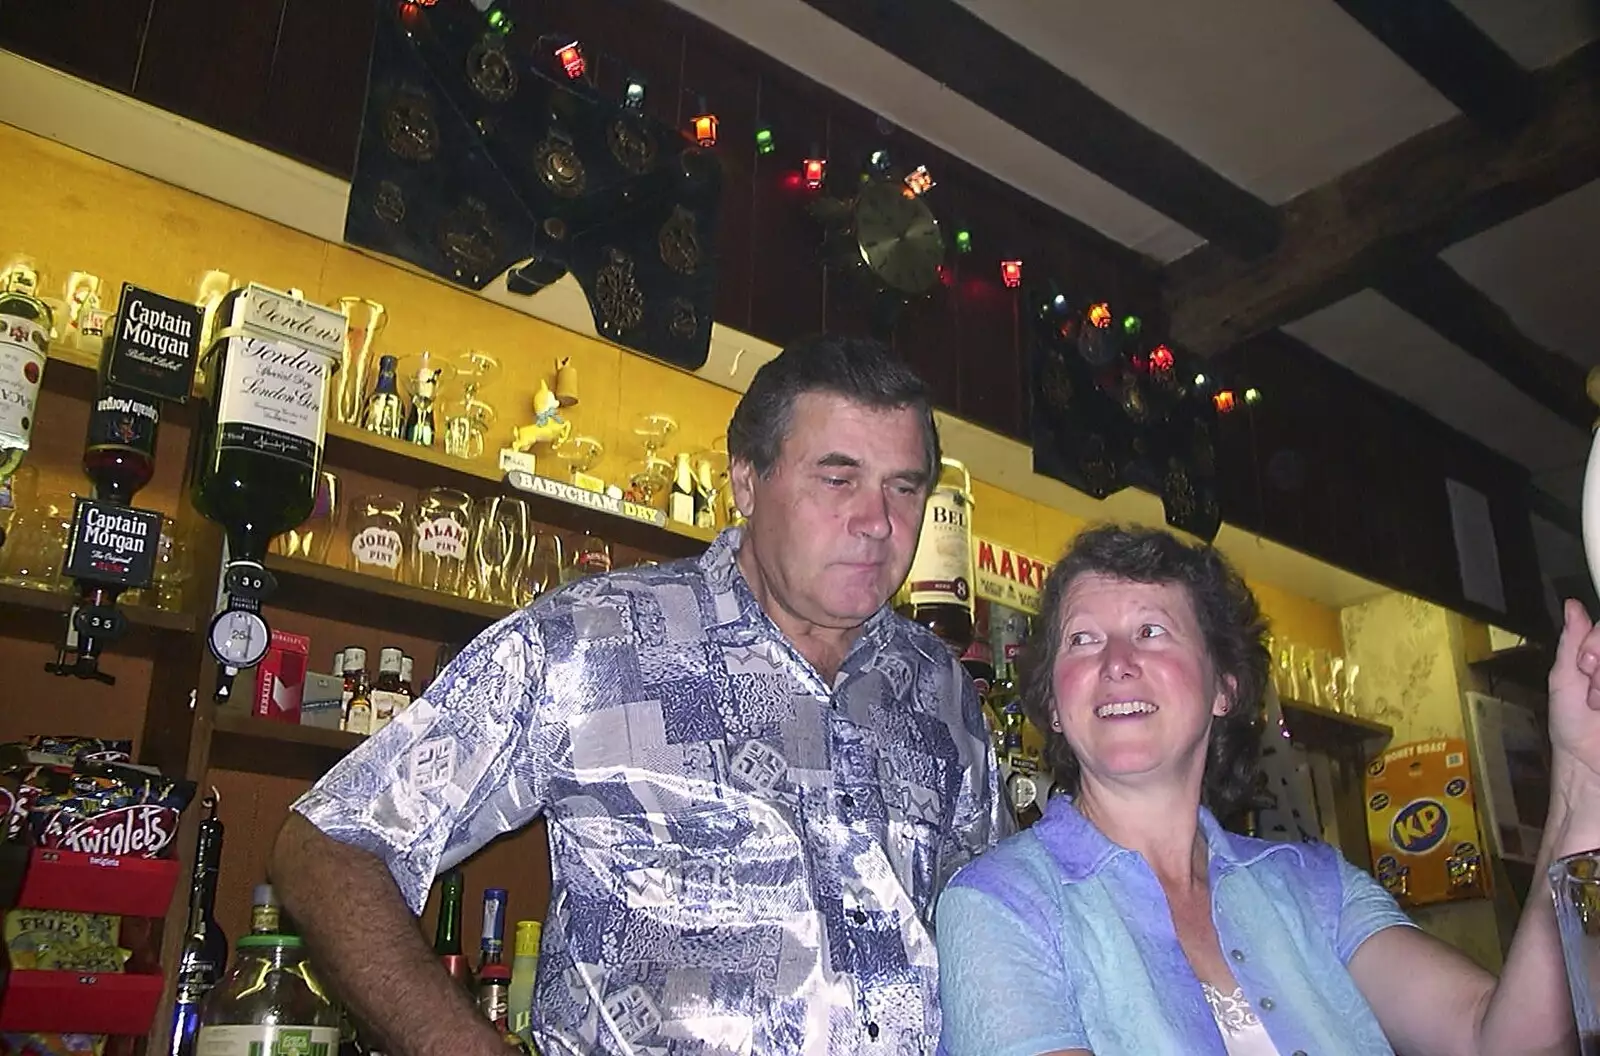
(815, 169)
(1224, 400)
(1011, 273)
(571, 58)
(705, 130)
(918, 182)
(1160, 358)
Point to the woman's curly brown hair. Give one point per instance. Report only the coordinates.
(1231, 626)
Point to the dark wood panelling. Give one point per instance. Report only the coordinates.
(1356, 476)
(213, 62)
(319, 82)
(97, 40)
(715, 70)
(786, 279)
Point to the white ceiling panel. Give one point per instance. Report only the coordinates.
(815, 45)
(1543, 267)
(1536, 32)
(1392, 349)
(1277, 95)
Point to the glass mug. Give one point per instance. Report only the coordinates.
(1575, 883)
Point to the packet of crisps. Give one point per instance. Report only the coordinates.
(62, 940)
(52, 1044)
(102, 808)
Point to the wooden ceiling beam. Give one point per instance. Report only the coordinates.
(1435, 293)
(973, 59)
(1448, 50)
(1424, 195)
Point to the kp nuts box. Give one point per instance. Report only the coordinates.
(280, 677)
(1423, 824)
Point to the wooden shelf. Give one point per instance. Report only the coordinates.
(240, 741)
(21, 609)
(354, 597)
(1334, 732)
(380, 456)
(73, 371)
(1526, 665)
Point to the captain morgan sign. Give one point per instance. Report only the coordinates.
(1009, 578)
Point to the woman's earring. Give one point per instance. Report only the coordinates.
(1055, 723)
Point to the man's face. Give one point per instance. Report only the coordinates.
(834, 525)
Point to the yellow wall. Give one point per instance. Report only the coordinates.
(83, 214)
(1411, 657)
(1043, 532)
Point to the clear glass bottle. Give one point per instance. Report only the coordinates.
(357, 692)
(25, 324)
(939, 585)
(384, 413)
(270, 1002)
(386, 697)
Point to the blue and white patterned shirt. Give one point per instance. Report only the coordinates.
(745, 859)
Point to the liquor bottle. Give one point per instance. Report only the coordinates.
(255, 455)
(205, 947)
(384, 413)
(705, 497)
(494, 975)
(421, 425)
(266, 917)
(447, 933)
(939, 586)
(119, 454)
(524, 975)
(680, 503)
(358, 705)
(270, 1003)
(407, 688)
(25, 323)
(386, 698)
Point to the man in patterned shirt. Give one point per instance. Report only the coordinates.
(757, 776)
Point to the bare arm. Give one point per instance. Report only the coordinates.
(1431, 999)
(367, 946)
(1411, 978)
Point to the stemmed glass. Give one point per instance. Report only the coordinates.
(580, 454)
(653, 476)
(469, 419)
(711, 479)
(424, 376)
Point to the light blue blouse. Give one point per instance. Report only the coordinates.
(1060, 939)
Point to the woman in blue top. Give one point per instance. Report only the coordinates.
(1127, 922)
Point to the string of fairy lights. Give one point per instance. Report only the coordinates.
(575, 61)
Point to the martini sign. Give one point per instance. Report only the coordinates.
(1009, 578)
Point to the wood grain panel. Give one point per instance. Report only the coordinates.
(98, 40)
(318, 82)
(213, 63)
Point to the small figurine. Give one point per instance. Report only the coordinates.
(548, 426)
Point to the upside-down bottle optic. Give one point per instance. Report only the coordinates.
(256, 455)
